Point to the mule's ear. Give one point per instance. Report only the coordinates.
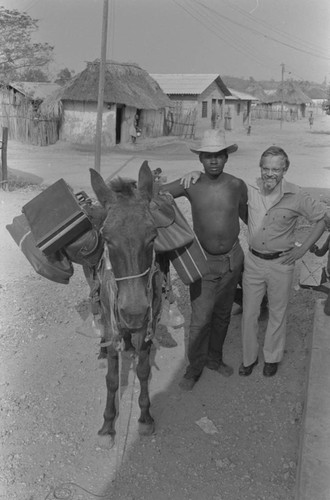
(102, 191)
(146, 180)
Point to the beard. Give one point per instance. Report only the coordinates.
(269, 183)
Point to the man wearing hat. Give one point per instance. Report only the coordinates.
(216, 199)
(274, 206)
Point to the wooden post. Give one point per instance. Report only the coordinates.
(98, 136)
(282, 93)
(4, 170)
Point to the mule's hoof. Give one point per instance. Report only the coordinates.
(105, 441)
(106, 430)
(146, 429)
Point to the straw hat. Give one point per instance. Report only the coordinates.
(214, 141)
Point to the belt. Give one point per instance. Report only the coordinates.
(266, 256)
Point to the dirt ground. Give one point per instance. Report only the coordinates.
(229, 439)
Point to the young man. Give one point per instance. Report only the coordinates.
(217, 199)
(274, 206)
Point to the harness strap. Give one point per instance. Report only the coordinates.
(111, 284)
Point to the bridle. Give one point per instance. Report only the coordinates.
(108, 266)
(113, 294)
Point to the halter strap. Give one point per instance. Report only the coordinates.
(109, 267)
(134, 276)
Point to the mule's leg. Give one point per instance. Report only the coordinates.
(112, 381)
(146, 422)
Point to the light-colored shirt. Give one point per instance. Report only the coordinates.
(272, 218)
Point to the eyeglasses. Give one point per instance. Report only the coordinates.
(273, 170)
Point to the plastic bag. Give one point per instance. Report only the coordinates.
(171, 316)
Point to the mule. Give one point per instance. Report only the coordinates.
(131, 284)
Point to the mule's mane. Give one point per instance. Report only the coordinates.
(126, 187)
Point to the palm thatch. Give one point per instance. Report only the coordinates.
(289, 93)
(257, 91)
(125, 83)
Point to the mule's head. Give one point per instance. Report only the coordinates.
(129, 232)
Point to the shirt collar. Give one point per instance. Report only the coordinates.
(286, 187)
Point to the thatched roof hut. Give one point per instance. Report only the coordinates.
(289, 93)
(257, 91)
(125, 83)
(129, 92)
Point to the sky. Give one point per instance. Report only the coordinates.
(243, 38)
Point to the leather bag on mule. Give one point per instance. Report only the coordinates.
(56, 267)
(172, 228)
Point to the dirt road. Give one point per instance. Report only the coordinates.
(229, 439)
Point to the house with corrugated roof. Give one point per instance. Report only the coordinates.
(203, 101)
(20, 104)
(131, 97)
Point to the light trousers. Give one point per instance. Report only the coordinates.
(260, 276)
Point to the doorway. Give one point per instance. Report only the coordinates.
(119, 116)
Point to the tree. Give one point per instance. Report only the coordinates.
(64, 76)
(17, 50)
(33, 75)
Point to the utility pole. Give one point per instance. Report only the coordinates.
(98, 135)
(282, 92)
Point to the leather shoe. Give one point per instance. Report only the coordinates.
(270, 369)
(220, 367)
(245, 371)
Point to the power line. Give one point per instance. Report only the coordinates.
(259, 33)
(241, 47)
(200, 17)
(292, 37)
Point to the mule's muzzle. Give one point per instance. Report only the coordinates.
(133, 320)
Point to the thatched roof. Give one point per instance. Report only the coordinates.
(316, 93)
(125, 83)
(256, 90)
(289, 93)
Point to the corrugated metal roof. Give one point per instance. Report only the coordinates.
(243, 96)
(185, 83)
(35, 90)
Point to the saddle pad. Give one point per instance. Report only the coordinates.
(55, 217)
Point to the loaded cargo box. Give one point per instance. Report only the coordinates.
(55, 217)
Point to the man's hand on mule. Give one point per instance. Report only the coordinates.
(190, 178)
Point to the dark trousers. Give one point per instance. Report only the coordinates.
(211, 302)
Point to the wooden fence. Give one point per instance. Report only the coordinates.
(258, 113)
(27, 125)
(180, 122)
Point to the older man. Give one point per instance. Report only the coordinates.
(274, 206)
(216, 199)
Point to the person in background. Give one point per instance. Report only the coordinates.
(311, 120)
(132, 131)
(216, 199)
(325, 277)
(274, 206)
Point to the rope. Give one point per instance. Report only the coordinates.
(118, 460)
(64, 492)
(133, 276)
(128, 421)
